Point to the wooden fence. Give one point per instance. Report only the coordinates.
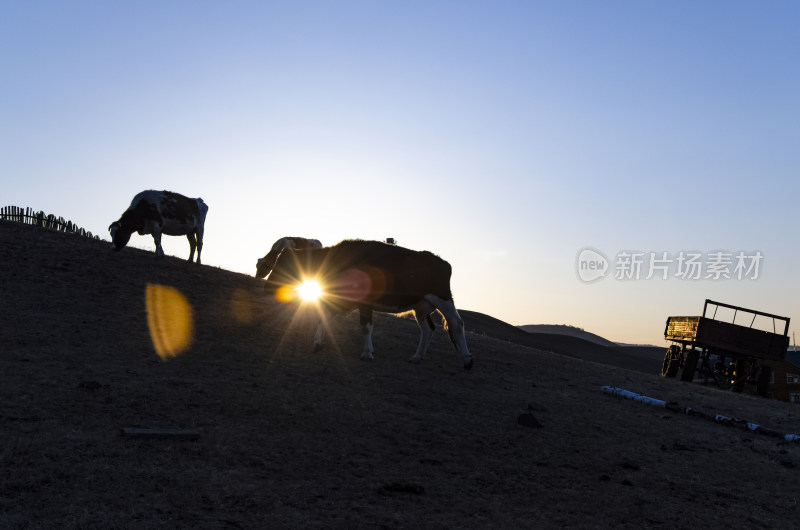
(28, 216)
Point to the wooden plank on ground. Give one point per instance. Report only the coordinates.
(172, 434)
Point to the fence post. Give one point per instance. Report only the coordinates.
(27, 215)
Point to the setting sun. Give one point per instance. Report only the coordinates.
(309, 290)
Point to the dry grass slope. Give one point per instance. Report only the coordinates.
(291, 439)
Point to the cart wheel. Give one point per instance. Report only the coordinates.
(665, 364)
(722, 375)
(764, 379)
(690, 366)
(706, 371)
(741, 374)
(672, 361)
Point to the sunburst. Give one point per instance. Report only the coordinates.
(309, 291)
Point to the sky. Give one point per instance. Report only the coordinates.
(525, 142)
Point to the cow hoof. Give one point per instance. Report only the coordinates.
(367, 358)
(468, 364)
(415, 360)
(318, 347)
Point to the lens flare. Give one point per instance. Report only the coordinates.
(285, 294)
(309, 290)
(241, 306)
(169, 317)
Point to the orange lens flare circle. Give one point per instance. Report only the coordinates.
(169, 319)
(241, 306)
(285, 294)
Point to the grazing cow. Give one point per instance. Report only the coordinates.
(161, 212)
(370, 275)
(264, 265)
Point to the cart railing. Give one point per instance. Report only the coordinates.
(737, 309)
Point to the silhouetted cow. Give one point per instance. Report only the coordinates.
(161, 212)
(370, 275)
(264, 265)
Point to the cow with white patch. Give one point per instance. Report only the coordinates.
(374, 276)
(162, 212)
(264, 265)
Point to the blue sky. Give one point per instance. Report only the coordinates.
(504, 136)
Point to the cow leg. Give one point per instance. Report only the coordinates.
(319, 335)
(157, 240)
(199, 242)
(365, 321)
(454, 326)
(426, 328)
(192, 245)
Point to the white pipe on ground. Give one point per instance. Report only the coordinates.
(719, 418)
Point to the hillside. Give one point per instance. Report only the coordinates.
(560, 329)
(640, 358)
(287, 438)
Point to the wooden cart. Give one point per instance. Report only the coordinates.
(730, 353)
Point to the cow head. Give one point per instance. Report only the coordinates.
(119, 235)
(264, 265)
(261, 269)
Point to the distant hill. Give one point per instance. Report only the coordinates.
(572, 331)
(643, 359)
